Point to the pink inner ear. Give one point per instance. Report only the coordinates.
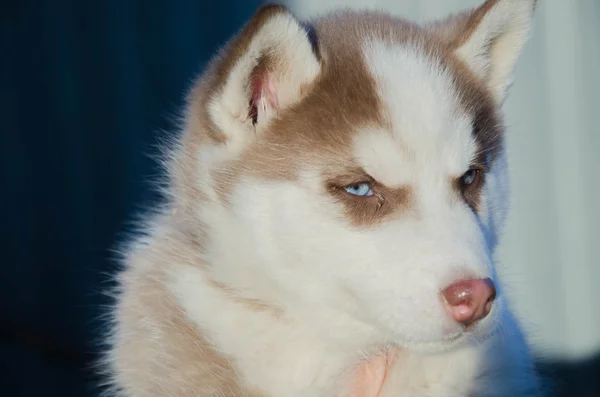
(263, 92)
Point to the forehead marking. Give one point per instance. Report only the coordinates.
(422, 105)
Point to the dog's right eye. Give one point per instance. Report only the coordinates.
(359, 189)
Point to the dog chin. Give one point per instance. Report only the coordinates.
(442, 345)
(450, 342)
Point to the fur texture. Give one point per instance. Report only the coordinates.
(264, 276)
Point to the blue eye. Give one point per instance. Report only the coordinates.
(359, 189)
(471, 177)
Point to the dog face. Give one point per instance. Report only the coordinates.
(355, 163)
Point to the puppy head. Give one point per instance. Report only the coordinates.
(355, 162)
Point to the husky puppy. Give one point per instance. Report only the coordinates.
(333, 205)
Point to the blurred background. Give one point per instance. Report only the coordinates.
(87, 88)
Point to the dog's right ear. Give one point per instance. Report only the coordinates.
(267, 68)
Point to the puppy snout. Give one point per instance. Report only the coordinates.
(469, 301)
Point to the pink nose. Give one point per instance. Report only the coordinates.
(471, 300)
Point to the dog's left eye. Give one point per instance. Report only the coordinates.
(471, 177)
(359, 189)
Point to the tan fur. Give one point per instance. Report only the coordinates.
(471, 23)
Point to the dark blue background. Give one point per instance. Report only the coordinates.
(86, 88)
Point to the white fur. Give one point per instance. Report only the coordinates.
(421, 104)
(430, 144)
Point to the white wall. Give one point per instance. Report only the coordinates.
(550, 255)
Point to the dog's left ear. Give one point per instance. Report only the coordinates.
(489, 40)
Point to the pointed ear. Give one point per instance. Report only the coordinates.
(489, 39)
(264, 70)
